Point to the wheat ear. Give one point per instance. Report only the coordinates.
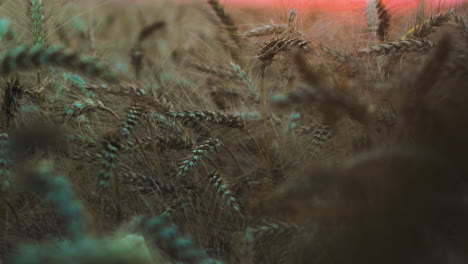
(111, 146)
(137, 54)
(216, 71)
(344, 58)
(25, 57)
(372, 16)
(85, 106)
(378, 19)
(6, 32)
(178, 247)
(291, 16)
(247, 247)
(430, 73)
(277, 29)
(199, 153)
(226, 20)
(37, 20)
(165, 142)
(321, 136)
(462, 24)
(397, 47)
(317, 92)
(133, 116)
(217, 181)
(266, 30)
(424, 29)
(149, 30)
(127, 250)
(143, 183)
(38, 28)
(213, 117)
(275, 228)
(278, 44)
(58, 191)
(245, 80)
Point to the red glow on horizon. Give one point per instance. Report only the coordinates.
(328, 5)
(339, 5)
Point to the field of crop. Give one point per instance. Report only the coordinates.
(195, 132)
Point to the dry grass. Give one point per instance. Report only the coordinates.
(199, 133)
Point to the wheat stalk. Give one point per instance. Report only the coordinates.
(5, 165)
(11, 98)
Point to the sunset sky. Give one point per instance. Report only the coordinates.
(331, 5)
(331, 2)
(339, 4)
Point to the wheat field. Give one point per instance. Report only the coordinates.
(197, 132)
